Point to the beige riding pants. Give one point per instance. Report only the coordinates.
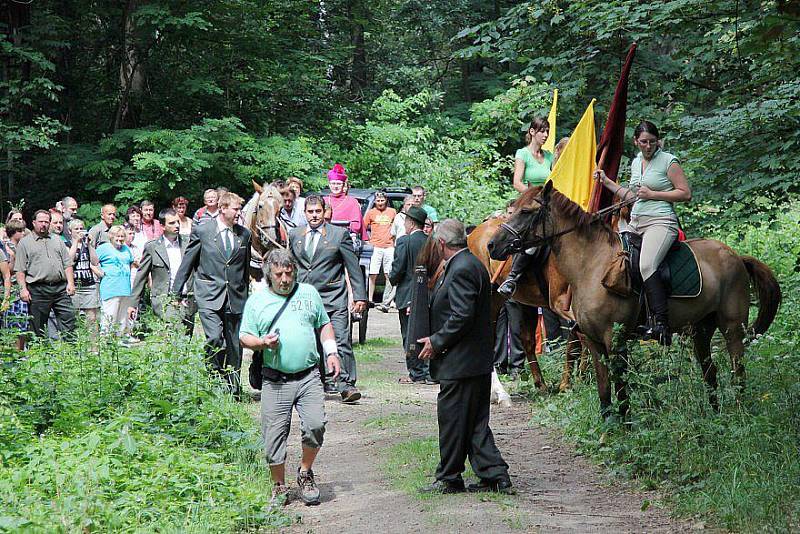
(658, 234)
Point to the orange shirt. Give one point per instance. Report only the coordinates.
(380, 225)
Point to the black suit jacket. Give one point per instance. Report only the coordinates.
(405, 261)
(460, 320)
(326, 270)
(217, 280)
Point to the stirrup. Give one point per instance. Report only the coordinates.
(656, 332)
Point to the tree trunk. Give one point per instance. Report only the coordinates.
(131, 78)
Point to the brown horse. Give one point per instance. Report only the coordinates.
(583, 247)
(528, 293)
(260, 216)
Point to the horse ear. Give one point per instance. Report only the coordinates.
(548, 189)
(257, 187)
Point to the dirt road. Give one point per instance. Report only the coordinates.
(378, 451)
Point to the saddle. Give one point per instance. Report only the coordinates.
(679, 271)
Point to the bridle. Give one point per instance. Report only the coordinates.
(518, 243)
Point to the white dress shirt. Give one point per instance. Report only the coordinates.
(174, 255)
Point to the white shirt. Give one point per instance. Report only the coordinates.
(399, 225)
(225, 232)
(175, 255)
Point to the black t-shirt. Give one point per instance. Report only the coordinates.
(82, 270)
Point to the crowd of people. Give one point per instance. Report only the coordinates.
(200, 266)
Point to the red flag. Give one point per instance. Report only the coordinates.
(610, 147)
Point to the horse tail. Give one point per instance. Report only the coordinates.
(768, 290)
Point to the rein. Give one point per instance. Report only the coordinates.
(518, 243)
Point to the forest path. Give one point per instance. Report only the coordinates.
(376, 452)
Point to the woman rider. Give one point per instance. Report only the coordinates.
(657, 181)
(532, 166)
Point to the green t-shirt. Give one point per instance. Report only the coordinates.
(297, 350)
(654, 177)
(432, 213)
(535, 173)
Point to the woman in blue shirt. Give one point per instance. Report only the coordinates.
(115, 260)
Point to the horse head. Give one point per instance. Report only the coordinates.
(265, 224)
(526, 227)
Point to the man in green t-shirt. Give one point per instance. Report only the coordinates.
(291, 367)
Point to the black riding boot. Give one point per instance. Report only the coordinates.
(659, 310)
(519, 265)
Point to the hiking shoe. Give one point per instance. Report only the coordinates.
(309, 491)
(502, 485)
(351, 394)
(280, 495)
(443, 488)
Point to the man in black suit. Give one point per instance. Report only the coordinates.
(402, 276)
(460, 354)
(218, 254)
(323, 253)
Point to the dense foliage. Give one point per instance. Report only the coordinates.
(116, 101)
(133, 439)
(737, 467)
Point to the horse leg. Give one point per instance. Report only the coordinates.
(701, 340)
(528, 334)
(572, 354)
(598, 351)
(734, 340)
(619, 364)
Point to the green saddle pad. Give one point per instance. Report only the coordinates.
(684, 273)
(685, 279)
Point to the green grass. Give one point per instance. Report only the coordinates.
(739, 468)
(137, 440)
(370, 352)
(389, 421)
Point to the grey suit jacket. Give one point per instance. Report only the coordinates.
(217, 280)
(155, 262)
(326, 270)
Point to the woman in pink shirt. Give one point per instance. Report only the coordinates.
(344, 208)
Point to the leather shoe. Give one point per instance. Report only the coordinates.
(351, 395)
(502, 485)
(442, 488)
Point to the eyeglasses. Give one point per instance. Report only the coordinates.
(649, 142)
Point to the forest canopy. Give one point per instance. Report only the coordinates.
(120, 101)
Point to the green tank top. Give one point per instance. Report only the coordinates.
(654, 177)
(535, 173)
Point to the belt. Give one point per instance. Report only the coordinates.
(51, 284)
(273, 375)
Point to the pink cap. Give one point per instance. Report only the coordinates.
(337, 173)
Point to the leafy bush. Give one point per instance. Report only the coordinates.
(126, 439)
(738, 467)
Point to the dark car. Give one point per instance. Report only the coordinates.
(366, 199)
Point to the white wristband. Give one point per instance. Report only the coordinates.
(329, 347)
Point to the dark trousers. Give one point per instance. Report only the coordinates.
(509, 352)
(46, 297)
(417, 369)
(555, 328)
(463, 411)
(223, 352)
(340, 320)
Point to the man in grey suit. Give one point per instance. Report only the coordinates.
(218, 254)
(323, 253)
(161, 259)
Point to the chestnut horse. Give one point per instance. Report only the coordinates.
(260, 216)
(583, 246)
(528, 294)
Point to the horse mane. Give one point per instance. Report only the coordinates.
(526, 198)
(585, 223)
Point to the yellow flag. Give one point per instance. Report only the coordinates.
(550, 144)
(572, 173)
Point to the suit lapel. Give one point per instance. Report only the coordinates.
(161, 250)
(218, 240)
